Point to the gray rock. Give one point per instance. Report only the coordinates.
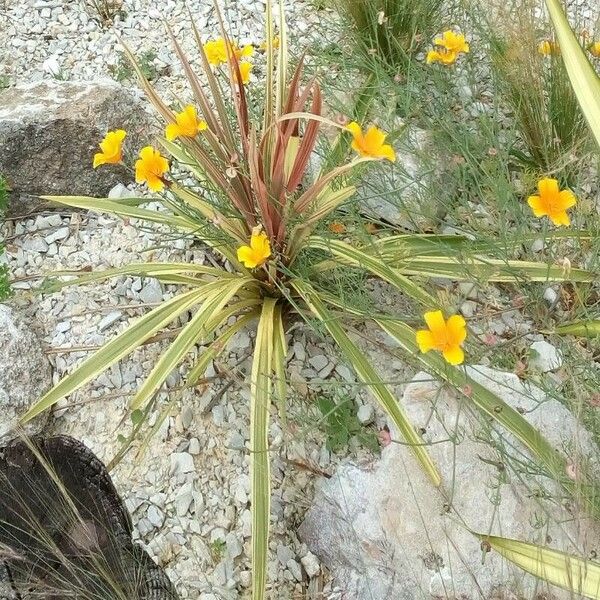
(320, 361)
(311, 564)
(545, 357)
(50, 131)
(385, 531)
(182, 462)
(152, 292)
(110, 319)
(25, 373)
(365, 414)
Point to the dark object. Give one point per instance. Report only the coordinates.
(64, 530)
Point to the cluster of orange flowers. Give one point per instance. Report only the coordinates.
(445, 336)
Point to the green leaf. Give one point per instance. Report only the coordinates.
(137, 416)
(584, 79)
(493, 406)
(196, 327)
(279, 363)
(589, 328)
(357, 258)
(217, 347)
(490, 269)
(577, 575)
(368, 375)
(122, 209)
(260, 470)
(160, 271)
(122, 345)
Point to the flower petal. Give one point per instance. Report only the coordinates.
(560, 218)
(388, 152)
(454, 355)
(425, 340)
(355, 129)
(245, 255)
(172, 131)
(537, 205)
(435, 321)
(457, 329)
(548, 187)
(567, 199)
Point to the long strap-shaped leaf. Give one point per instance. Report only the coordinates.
(159, 271)
(184, 342)
(122, 345)
(569, 572)
(492, 405)
(260, 470)
(122, 209)
(490, 269)
(279, 356)
(368, 375)
(217, 347)
(357, 258)
(584, 79)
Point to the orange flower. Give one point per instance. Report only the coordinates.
(337, 227)
(187, 124)
(274, 43)
(257, 252)
(443, 56)
(245, 69)
(594, 49)
(548, 48)
(445, 336)
(112, 148)
(448, 47)
(370, 144)
(150, 168)
(552, 202)
(452, 42)
(216, 51)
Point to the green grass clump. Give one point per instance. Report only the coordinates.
(391, 31)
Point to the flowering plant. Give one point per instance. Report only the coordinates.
(256, 210)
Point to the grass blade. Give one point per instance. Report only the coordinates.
(357, 258)
(119, 347)
(260, 470)
(584, 79)
(369, 376)
(589, 328)
(212, 306)
(569, 572)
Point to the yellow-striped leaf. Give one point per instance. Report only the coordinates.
(367, 374)
(572, 573)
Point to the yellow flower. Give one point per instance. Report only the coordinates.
(216, 51)
(445, 336)
(257, 252)
(371, 143)
(446, 57)
(274, 43)
(111, 146)
(548, 48)
(150, 168)
(594, 49)
(187, 124)
(452, 42)
(246, 52)
(245, 69)
(552, 202)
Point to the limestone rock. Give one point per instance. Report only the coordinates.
(25, 373)
(50, 131)
(386, 532)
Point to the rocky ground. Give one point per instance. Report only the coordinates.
(188, 491)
